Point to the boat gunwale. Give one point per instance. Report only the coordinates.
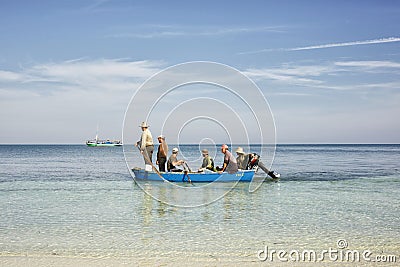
(193, 175)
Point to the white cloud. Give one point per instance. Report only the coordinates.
(159, 31)
(80, 74)
(56, 99)
(98, 68)
(9, 76)
(64, 101)
(369, 64)
(317, 76)
(291, 94)
(291, 74)
(361, 86)
(148, 35)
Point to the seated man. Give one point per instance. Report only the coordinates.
(173, 163)
(208, 162)
(230, 164)
(251, 161)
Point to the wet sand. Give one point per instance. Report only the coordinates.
(60, 261)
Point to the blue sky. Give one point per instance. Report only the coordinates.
(329, 70)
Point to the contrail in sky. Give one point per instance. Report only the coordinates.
(366, 42)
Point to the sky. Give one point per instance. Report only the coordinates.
(330, 70)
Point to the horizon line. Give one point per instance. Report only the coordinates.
(191, 144)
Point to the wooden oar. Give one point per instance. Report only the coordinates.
(186, 172)
(154, 168)
(151, 163)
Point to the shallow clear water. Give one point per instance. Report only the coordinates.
(77, 201)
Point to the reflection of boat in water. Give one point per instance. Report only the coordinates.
(240, 176)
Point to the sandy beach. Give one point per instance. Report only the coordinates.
(50, 261)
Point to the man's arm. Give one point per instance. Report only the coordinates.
(143, 141)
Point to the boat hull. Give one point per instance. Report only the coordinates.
(92, 144)
(240, 176)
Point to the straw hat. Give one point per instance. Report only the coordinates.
(144, 125)
(204, 151)
(239, 150)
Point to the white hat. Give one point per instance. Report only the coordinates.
(144, 125)
(161, 136)
(239, 150)
(175, 150)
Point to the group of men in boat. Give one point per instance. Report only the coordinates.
(231, 164)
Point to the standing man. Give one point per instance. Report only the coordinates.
(145, 144)
(230, 164)
(162, 153)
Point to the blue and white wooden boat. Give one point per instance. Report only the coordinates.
(207, 177)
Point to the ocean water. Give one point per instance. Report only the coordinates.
(77, 201)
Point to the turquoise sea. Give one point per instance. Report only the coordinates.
(77, 201)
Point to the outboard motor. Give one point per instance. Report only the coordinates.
(253, 161)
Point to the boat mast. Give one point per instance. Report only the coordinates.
(97, 133)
